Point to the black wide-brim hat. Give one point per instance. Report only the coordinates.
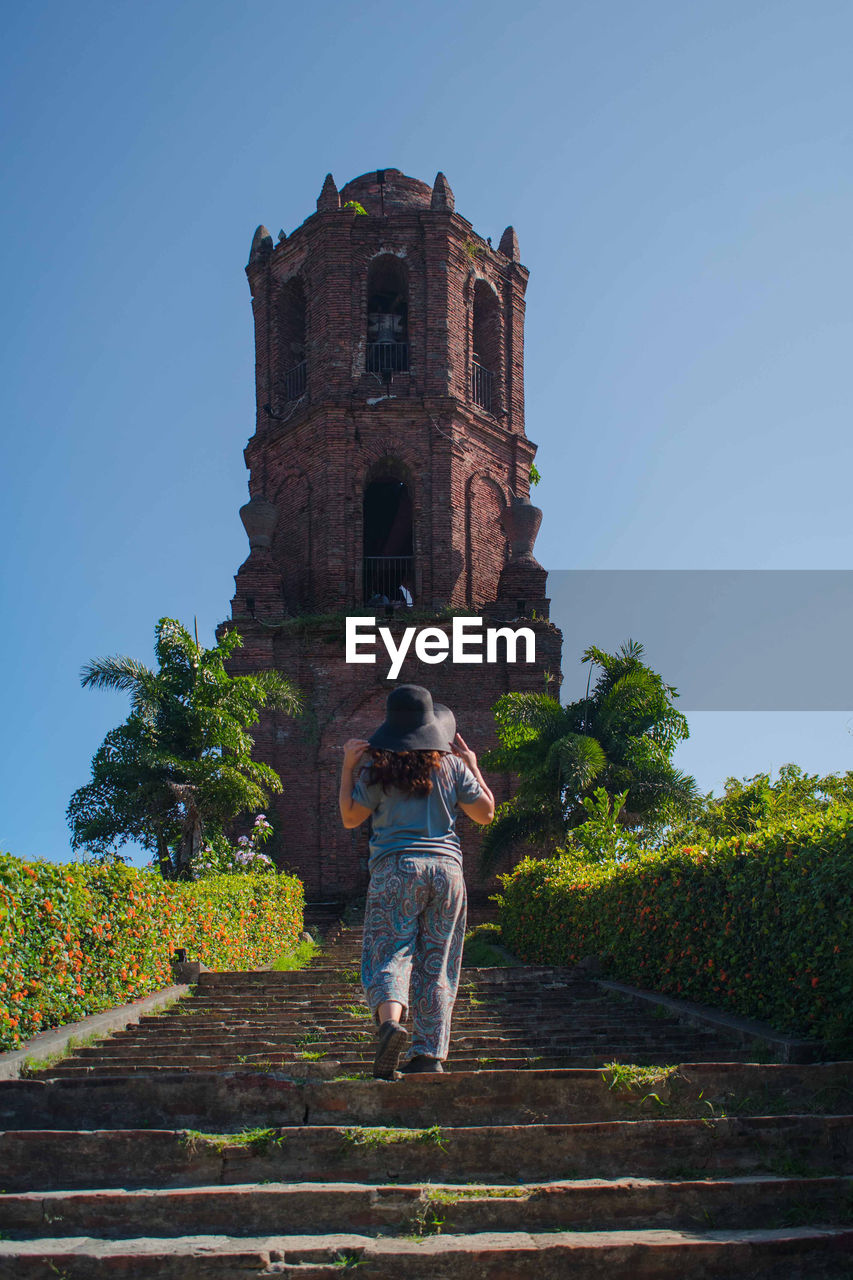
(413, 722)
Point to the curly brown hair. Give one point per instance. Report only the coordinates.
(407, 771)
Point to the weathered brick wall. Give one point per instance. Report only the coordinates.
(313, 457)
(348, 700)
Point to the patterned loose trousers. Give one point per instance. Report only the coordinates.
(414, 928)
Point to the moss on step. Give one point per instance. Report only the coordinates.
(353, 1010)
(289, 962)
(483, 948)
(627, 1075)
(387, 1136)
(31, 1066)
(444, 1195)
(257, 1140)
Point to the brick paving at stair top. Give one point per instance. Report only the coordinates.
(222, 1139)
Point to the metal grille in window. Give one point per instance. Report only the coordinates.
(482, 382)
(295, 381)
(389, 580)
(387, 357)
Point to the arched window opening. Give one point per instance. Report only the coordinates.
(485, 347)
(291, 337)
(387, 316)
(388, 543)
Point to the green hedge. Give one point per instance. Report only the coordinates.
(76, 938)
(760, 924)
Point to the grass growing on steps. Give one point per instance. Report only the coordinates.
(427, 1220)
(384, 1136)
(289, 961)
(257, 1140)
(313, 1036)
(32, 1065)
(353, 1010)
(477, 1192)
(483, 949)
(627, 1075)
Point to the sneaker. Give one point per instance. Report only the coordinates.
(422, 1065)
(392, 1037)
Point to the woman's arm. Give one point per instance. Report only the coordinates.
(483, 808)
(352, 814)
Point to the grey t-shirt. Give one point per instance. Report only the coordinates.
(421, 825)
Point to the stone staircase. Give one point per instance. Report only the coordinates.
(239, 1134)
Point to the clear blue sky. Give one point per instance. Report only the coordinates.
(680, 178)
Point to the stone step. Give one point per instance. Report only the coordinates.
(296, 1208)
(307, 980)
(300, 998)
(245, 1099)
(344, 1066)
(270, 1014)
(806, 1146)
(254, 1045)
(296, 1032)
(281, 1013)
(271, 985)
(344, 1056)
(351, 1060)
(275, 1059)
(797, 1253)
(312, 1038)
(299, 1021)
(472, 1021)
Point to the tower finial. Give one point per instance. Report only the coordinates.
(509, 245)
(442, 196)
(261, 243)
(329, 197)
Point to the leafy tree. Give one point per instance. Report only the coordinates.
(750, 804)
(181, 763)
(619, 738)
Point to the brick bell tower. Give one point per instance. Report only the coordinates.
(389, 477)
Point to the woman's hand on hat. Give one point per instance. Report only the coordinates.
(461, 748)
(354, 749)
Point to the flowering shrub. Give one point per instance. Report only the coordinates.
(78, 938)
(219, 857)
(760, 924)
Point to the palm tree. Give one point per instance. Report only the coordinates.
(181, 763)
(620, 736)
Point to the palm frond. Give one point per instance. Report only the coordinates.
(577, 759)
(517, 715)
(116, 672)
(515, 824)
